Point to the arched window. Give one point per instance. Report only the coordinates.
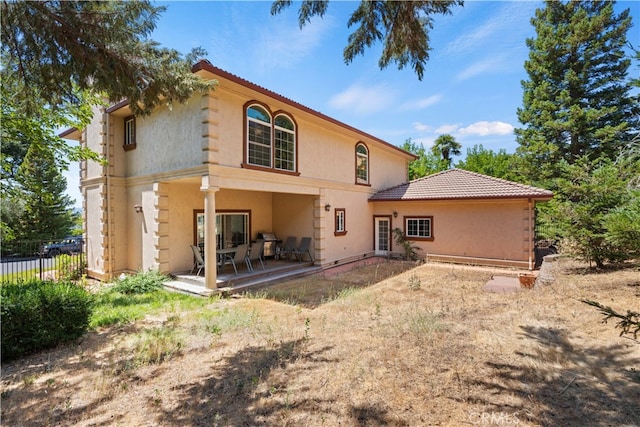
(271, 142)
(285, 144)
(258, 136)
(362, 164)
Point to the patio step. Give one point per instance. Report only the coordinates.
(231, 283)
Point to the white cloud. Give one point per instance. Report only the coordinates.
(419, 104)
(450, 128)
(284, 44)
(510, 19)
(484, 128)
(479, 68)
(481, 128)
(421, 127)
(363, 100)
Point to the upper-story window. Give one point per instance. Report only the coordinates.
(258, 136)
(362, 164)
(271, 141)
(129, 133)
(285, 144)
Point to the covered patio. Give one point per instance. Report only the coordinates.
(229, 283)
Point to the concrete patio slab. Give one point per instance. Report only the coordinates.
(502, 285)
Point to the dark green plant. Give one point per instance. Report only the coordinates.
(409, 250)
(70, 267)
(586, 194)
(629, 322)
(141, 283)
(578, 98)
(488, 162)
(37, 315)
(402, 27)
(445, 146)
(427, 163)
(54, 50)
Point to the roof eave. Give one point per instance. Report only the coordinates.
(71, 133)
(537, 198)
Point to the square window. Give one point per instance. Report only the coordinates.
(419, 228)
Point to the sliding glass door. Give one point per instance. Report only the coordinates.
(232, 229)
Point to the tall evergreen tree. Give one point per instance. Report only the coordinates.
(52, 50)
(401, 26)
(576, 101)
(47, 209)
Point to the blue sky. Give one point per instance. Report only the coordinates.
(470, 88)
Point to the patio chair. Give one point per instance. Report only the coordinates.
(238, 257)
(199, 264)
(305, 248)
(255, 254)
(289, 247)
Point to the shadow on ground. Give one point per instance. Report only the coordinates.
(562, 383)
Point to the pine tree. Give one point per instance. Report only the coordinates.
(47, 209)
(402, 27)
(576, 101)
(54, 50)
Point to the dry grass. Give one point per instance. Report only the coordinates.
(392, 353)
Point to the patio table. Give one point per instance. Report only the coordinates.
(220, 253)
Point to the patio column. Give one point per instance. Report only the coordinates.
(210, 256)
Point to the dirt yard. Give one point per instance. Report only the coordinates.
(423, 347)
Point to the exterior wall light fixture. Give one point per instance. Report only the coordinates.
(327, 207)
(138, 208)
(395, 214)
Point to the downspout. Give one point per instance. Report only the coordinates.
(109, 222)
(531, 225)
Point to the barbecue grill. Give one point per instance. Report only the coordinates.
(271, 244)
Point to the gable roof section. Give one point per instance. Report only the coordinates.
(459, 184)
(205, 65)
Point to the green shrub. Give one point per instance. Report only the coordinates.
(141, 283)
(37, 315)
(71, 267)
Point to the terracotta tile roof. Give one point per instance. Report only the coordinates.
(457, 184)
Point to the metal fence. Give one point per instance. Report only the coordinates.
(51, 259)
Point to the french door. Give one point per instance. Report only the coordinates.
(382, 235)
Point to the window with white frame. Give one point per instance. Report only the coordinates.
(419, 228)
(258, 136)
(285, 144)
(362, 164)
(340, 222)
(271, 142)
(129, 133)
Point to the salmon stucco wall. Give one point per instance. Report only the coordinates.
(477, 229)
(358, 239)
(167, 140)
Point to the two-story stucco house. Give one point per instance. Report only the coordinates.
(242, 160)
